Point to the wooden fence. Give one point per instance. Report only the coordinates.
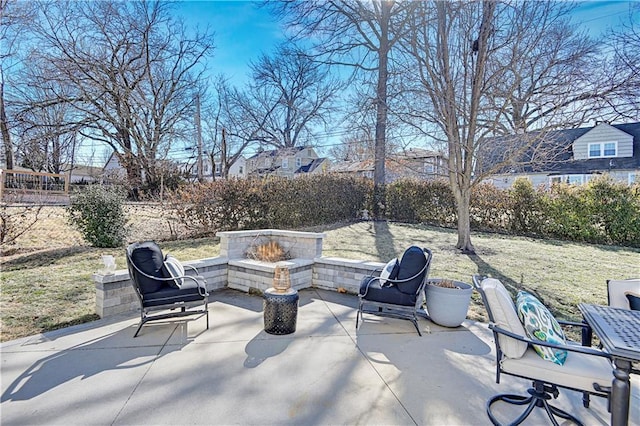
(23, 185)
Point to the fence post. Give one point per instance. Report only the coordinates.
(2, 173)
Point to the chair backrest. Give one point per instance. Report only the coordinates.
(414, 267)
(617, 291)
(502, 312)
(145, 258)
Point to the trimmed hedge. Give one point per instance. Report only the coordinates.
(236, 204)
(603, 211)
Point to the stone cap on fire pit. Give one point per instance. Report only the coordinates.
(297, 244)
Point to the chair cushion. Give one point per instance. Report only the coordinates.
(413, 261)
(541, 325)
(372, 290)
(634, 301)
(579, 371)
(175, 270)
(147, 257)
(617, 289)
(505, 316)
(390, 271)
(169, 295)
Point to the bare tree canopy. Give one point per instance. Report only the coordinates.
(359, 34)
(625, 67)
(15, 17)
(133, 73)
(482, 69)
(289, 96)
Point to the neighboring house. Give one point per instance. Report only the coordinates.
(286, 162)
(85, 174)
(575, 156)
(237, 170)
(414, 163)
(112, 169)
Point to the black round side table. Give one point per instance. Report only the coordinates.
(280, 311)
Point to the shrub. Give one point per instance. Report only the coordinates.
(274, 202)
(614, 210)
(527, 208)
(98, 213)
(490, 208)
(414, 201)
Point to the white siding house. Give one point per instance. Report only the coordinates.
(581, 154)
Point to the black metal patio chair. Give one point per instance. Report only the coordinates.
(398, 295)
(161, 284)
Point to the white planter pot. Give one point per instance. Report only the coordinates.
(448, 306)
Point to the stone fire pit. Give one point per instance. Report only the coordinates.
(245, 273)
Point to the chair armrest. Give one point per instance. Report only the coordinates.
(200, 282)
(192, 268)
(571, 348)
(374, 274)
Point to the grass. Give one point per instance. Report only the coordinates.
(46, 283)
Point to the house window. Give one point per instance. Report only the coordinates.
(604, 149)
(240, 170)
(429, 168)
(285, 163)
(570, 179)
(575, 179)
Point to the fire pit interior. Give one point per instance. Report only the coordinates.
(270, 251)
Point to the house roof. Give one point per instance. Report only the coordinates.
(278, 152)
(314, 164)
(558, 148)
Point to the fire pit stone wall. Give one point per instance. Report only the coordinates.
(244, 274)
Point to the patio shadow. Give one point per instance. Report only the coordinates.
(107, 353)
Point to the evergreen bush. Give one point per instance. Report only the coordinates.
(98, 213)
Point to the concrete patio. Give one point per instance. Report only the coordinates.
(177, 372)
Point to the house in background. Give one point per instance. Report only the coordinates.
(237, 170)
(414, 163)
(575, 156)
(286, 162)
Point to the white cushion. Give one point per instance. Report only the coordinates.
(175, 269)
(579, 371)
(388, 270)
(505, 316)
(617, 290)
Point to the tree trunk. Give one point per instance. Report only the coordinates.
(463, 203)
(381, 113)
(4, 128)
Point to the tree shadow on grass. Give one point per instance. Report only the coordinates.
(43, 257)
(383, 240)
(486, 270)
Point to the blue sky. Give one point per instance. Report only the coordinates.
(243, 30)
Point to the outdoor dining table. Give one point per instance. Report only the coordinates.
(619, 332)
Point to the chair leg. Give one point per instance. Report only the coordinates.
(539, 397)
(415, 323)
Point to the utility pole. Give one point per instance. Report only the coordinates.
(223, 155)
(199, 137)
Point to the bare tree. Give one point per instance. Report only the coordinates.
(359, 34)
(48, 135)
(486, 68)
(625, 42)
(15, 18)
(134, 73)
(288, 97)
(229, 128)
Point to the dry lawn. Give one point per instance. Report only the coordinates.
(46, 274)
